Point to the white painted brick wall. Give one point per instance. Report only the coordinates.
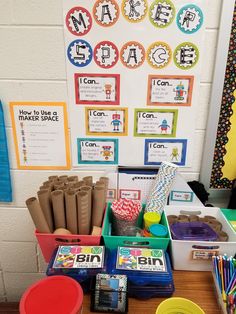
(32, 64)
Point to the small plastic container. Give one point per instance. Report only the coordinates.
(84, 275)
(152, 281)
(58, 294)
(158, 231)
(151, 218)
(193, 231)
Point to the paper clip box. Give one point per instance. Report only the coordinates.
(113, 241)
(197, 255)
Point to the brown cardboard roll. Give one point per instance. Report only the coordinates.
(62, 231)
(82, 210)
(63, 178)
(100, 183)
(44, 197)
(88, 189)
(193, 218)
(73, 178)
(71, 212)
(79, 184)
(105, 180)
(59, 185)
(183, 218)
(215, 225)
(207, 217)
(58, 209)
(48, 184)
(98, 205)
(37, 215)
(96, 231)
(88, 180)
(223, 236)
(45, 188)
(52, 178)
(172, 219)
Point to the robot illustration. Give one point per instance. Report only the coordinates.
(116, 122)
(164, 126)
(174, 154)
(106, 152)
(108, 90)
(179, 90)
(133, 11)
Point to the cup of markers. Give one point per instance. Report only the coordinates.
(224, 269)
(125, 216)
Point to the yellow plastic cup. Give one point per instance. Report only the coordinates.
(178, 305)
(151, 218)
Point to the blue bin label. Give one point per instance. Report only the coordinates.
(141, 259)
(76, 256)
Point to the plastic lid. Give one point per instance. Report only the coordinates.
(178, 305)
(152, 217)
(52, 295)
(158, 230)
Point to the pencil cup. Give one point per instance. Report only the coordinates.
(123, 227)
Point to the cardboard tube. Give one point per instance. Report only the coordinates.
(45, 188)
(37, 215)
(105, 180)
(79, 184)
(98, 206)
(58, 185)
(73, 178)
(45, 204)
(88, 180)
(82, 209)
(52, 178)
(71, 211)
(58, 209)
(63, 178)
(88, 189)
(100, 183)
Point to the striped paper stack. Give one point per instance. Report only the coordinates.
(159, 193)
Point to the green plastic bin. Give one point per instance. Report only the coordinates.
(112, 242)
(230, 215)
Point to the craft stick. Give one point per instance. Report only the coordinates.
(82, 209)
(88, 180)
(98, 205)
(71, 212)
(58, 209)
(37, 215)
(45, 203)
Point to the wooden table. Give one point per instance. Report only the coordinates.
(196, 286)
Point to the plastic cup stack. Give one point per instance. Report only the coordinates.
(161, 188)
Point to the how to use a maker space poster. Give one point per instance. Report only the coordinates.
(133, 69)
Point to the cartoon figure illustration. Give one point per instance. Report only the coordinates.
(116, 122)
(189, 17)
(179, 90)
(174, 154)
(164, 126)
(106, 152)
(108, 90)
(133, 11)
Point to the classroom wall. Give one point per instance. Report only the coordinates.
(32, 64)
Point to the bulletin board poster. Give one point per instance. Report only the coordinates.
(133, 75)
(40, 131)
(224, 162)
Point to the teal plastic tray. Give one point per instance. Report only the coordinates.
(230, 215)
(112, 242)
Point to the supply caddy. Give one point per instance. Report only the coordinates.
(113, 241)
(197, 255)
(148, 271)
(82, 263)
